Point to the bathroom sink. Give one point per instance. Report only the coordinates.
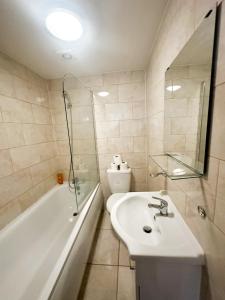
(149, 234)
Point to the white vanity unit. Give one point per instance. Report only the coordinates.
(168, 257)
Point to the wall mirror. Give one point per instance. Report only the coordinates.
(188, 93)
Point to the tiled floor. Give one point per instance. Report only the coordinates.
(108, 275)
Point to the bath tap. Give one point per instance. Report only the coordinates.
(163, 206)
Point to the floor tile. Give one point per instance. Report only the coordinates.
(106, 249)
(126, 284)
(100, 283)
(105, 222)
(123, 255)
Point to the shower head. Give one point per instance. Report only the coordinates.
(68, 100)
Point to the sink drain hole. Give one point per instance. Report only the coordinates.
(147, 229)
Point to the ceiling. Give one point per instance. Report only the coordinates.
(118, 35)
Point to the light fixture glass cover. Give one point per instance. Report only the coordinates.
(64, 25)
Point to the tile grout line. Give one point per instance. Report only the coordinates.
(117, 287)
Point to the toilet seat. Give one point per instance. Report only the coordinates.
(112, 200)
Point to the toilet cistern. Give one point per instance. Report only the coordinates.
(119, 179)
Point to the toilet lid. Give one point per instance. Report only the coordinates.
(112, 200)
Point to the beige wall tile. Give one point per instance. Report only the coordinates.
(26, 199)
(213, 242)
(178, 196)
(107, 129)
(25, 156)
(139, 187)
(60, 132)
(34, 134)
(5, 163)
(12, 67)
(9, 212)
(218, 124)
(93, 81)
(131, 76)
(220, 199)
(118, 111)
(6, 83)
(46, 150)
(41, 114)
(19, 87)
(4, 143)
(155, 95)
(15, 134)
(40, 171)
(132, 127)
(83, 131)
(79, 97)
(82, 114)
(14, 110)
(133, 92)
(177, 142)
(135, 160)
(104, 161)
(156, 126)
(128, 89)
(203, 190)
(183, 125)
(140, 143)
(111, 78)
(140, 175)
(85, 146)
(100, 112)
(14, 185)
(138, 110)
(119, 145)
(102, 145)
(58, 117)
(22, 89)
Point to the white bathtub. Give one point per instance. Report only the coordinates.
(44, 251)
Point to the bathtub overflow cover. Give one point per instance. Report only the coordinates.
(147, 229)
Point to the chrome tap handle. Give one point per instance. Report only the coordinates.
(163, 203)
(163, 207)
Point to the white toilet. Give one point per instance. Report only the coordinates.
(119, 183)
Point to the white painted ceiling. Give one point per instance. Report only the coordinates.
(119, 35)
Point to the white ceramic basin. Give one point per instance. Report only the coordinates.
(170, 239)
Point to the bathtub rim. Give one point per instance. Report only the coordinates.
(24, 214)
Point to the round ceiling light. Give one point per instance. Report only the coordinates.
(173, 88)
(64, 25)
(103, 93)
